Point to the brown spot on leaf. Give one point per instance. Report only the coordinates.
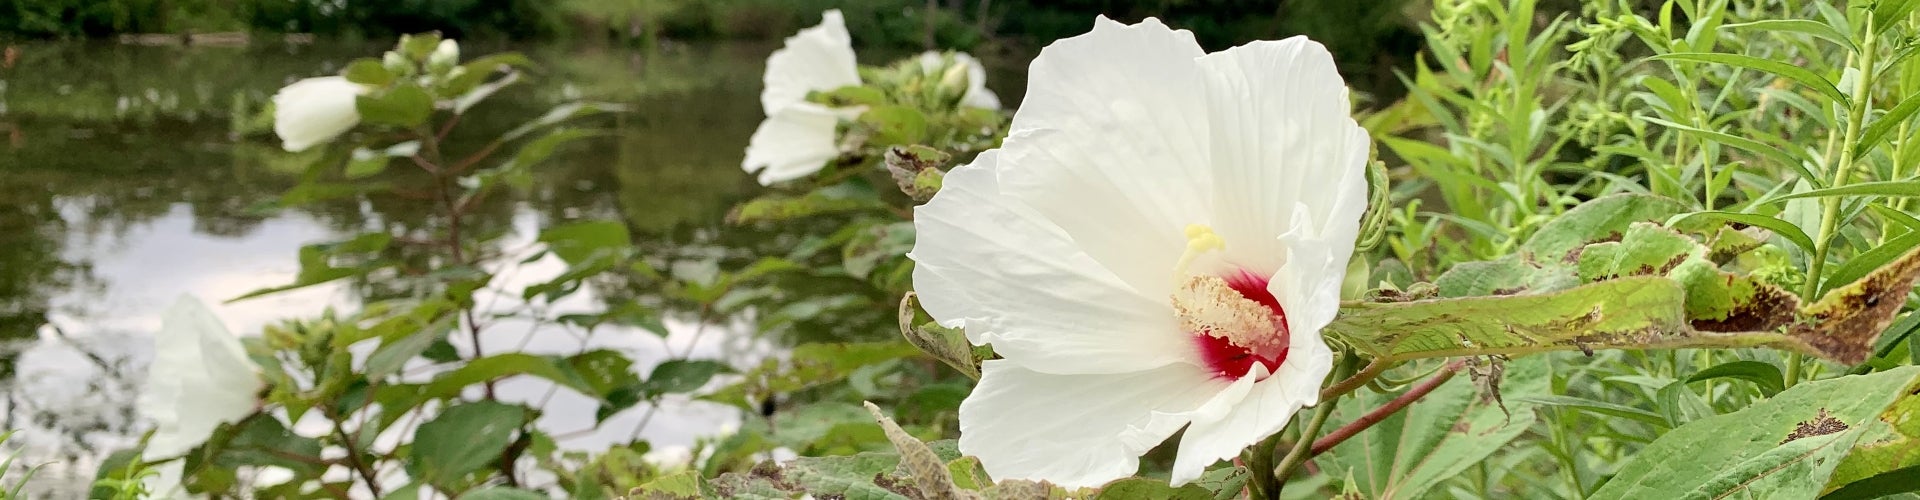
(1822, 424)
(1509, 291)
(1844, 324)
(1769, 309)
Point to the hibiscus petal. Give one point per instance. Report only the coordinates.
(1264, 410)
(986, 262)
(793, 143)
(1109, 144)
(200, 378)
(1075, 430)
(817, 58)
(1285, 139)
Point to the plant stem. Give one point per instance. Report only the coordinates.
(1298, 455)
(1345, 432)
(1830, 207)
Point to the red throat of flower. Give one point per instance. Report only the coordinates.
(1243, 324)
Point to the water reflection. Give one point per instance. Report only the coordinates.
(130, 180)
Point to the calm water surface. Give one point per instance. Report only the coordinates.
(128, 177)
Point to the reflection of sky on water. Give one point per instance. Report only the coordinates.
(84, 377)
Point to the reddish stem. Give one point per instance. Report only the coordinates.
(1418, 391)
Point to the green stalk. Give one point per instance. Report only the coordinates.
(1830, 207)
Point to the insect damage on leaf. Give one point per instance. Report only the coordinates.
(1822, 424)
(1844, 323)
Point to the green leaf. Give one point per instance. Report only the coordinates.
(1885, 485)
(929, 472)
(471, 96)
(895, 125)
(876, 244)
(580, 241)
(1887, 13)
(839, 198)
(556, 370)
(462, 439)
(559, 114)
(949, 345)
(368, 162)
(1858, 266)
(1597, 407)
(1815, 28)
(685, 485)
(1789, 71)
(367, 71)
(1897, 189)
(259, 440)
(390, 358)
(325, 262)
(1596, 220)
(1885, 125)
(1785, 229)
(1787, 446)
(1756, 147)
(1765, 375)
(1644, 250)
(502, 493)
(682, 375)
(1412, 452)
(1140, 487)
(419, 45)
(404, 105)
(808, 366)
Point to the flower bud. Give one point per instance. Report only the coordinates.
(444, 56)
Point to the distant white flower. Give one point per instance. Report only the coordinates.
(315, 110)
(978, 96)
(669, 457)
(1156, 245)
(798, 139)
(200, 378)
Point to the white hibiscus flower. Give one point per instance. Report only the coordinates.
(315, 110)
(200, 378)
(797, 138)
(978, 96)
(1157, 245)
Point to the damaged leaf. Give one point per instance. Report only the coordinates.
(1788, 446)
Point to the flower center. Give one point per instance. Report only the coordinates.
(1234, 321)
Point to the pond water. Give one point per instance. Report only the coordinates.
(128, 176)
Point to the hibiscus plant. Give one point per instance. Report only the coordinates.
(1669, 265)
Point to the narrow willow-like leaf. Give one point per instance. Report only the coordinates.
(1897, 189)
(1757, 147)
(1885, 125)
(1858, 266)
(1765, 375)
(1815, 28)
(1789, 71)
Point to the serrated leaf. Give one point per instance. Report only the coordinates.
(580, 241)
(449, 384)
(462, 439)
(948, 345)
(404, 105)
(682, 375)
(929, 473)
(1787, 446)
